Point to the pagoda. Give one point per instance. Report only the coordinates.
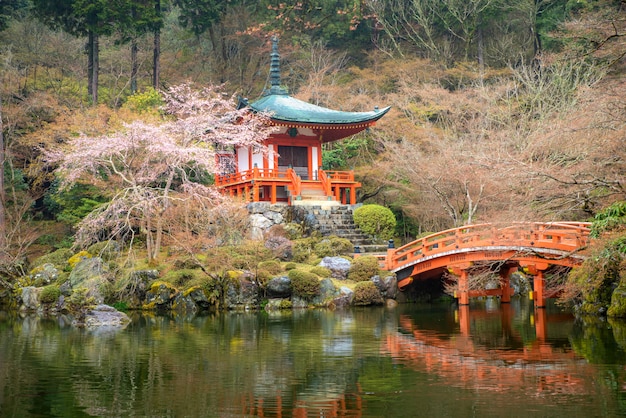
(291, 171)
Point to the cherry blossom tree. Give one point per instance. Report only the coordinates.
(154, 169)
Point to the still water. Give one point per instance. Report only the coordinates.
(411, 361)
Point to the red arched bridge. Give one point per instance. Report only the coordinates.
(533, 247)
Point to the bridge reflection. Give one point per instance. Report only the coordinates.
(464, 360)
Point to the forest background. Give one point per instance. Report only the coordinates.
(501, 110)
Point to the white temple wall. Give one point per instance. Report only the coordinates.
(243, 159)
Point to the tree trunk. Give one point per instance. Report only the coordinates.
(134, 66)
(156, 66)
(156, 58)
(481, 52)
(90, 63)
(2, 209)
(96, 69)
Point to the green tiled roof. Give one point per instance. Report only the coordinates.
(283, 107)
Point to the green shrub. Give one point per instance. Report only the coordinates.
(263, 277)
(323, 272)
(183, 277)
(333, 246)
(58, 258)
(50, 294)
(303, 249)
(271, 266)
(363, 268)
(366, 293)
(106, 250)
(611, 218)
(148, 100)
(375, 220)
(304, 284)
(290, 266)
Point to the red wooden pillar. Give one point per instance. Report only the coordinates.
(540, 324)
(464, 320)
(273, 193)
(505, 274)
(539, 283)
(352, 195)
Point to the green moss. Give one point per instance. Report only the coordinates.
(271, 266)
(323, 272)
(290, 266)
(333, 246)
(183, 276)
(73, 260)
(363, 268)
(304, 284)
(157, 284)
(49, 294)
(57, 258)
(366, 293)
(190, 290)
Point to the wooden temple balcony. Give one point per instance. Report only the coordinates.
(272, 185)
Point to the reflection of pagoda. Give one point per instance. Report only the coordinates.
(291, 172)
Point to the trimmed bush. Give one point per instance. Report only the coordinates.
(271, 266)
(304, 284)
(375, 220)
(50, 294)
(366, 293)
(303, 249)
(290, 266)
(363, 268)
(333, 246)
(323, 272)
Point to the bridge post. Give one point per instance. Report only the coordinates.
(462, 294)
(464, 320)
(539, 282)
(505, 275)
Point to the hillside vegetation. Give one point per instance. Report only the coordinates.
(501, 110)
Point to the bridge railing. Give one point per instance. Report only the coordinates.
(563, 236)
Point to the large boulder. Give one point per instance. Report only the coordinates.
(104, 316)
(279, 287)
(328, 292)
(338, 266)
(30, 299)
(191, 301)
(45, 274)
(242, 295)
(160, 296)
(388, 286)
(136, 287)
(92, 275)
(344, 299)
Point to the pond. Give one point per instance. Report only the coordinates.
(414, 360)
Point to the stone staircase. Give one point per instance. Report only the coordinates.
(336, 219)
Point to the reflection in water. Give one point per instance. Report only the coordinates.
(417, 360)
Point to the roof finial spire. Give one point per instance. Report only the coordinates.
(275, 69)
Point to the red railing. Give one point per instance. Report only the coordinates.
(296, 182)
(562, 236)
(325, 180)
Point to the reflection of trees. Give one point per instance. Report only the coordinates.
(197, 367)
